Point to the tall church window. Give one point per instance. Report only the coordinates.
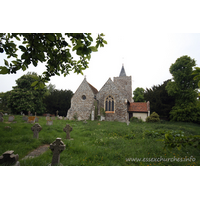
(109, 104)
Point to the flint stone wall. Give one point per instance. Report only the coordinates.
(82, 107)
(120, 106)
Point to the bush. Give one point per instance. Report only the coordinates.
(135, 119)
(154, 117)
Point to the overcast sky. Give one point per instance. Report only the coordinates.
(147, 57)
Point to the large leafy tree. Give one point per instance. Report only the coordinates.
(138, 94)
(23, 97)
(184, 89)
(160, 101)
(55, 49)
(58, 100)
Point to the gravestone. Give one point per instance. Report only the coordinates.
(53, 118)
(31, 119)
(36, 129)
(48, 115)
(11, 118)
(6, 113)
(25, 118)
(68, 129)
(65, 118)
(92, 116)
(1, 117)
(84, 122)
(29, 113)
(57, 147)
(8, 158)
(49, 122)
(57, 113)
(127, 123)
(36, 119)
(102, 118)
(47, 118)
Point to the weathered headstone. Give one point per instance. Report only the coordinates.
(11, 118)
(53, 118)
(25, 118)
(68, 129)
(36, 119)
(49, 122)
(6, 113)
(1, 117)
(36, 129)
(102, 118)
(127, 123)
(8, 158)
(31, 119)
(92, 116)
(65, 118)
(57, 113)
(57, 147)
(35, 114)
(29, 113)
(48, 115)
(47, 118)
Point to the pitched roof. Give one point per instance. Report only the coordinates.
(94, 90)
(138, 107)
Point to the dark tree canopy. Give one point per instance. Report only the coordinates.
(55, 49)
(58, 100)
(160, 101)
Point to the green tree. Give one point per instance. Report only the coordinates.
(184, 89)
(23, 97)
(160, 101)
(138, 94)
(4, 102)
(196, 72)
(53, 48)
(58, 100)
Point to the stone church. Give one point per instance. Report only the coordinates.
(114, 98)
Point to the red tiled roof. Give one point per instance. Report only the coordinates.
(138, 107)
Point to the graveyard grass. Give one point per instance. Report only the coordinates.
(97, 143)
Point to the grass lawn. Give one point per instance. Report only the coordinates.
(99, 143)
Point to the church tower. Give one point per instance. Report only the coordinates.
(125, 84)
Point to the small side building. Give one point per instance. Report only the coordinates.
(141, 110)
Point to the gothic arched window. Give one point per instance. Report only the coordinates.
(109, 104)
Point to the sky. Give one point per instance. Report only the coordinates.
(147, 58)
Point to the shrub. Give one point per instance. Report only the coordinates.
(135, 119)
(154, 117)
(75, 116)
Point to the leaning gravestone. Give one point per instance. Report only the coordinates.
(36, 129)
(11, 118)
(56, 147)
(68, 129)
(8, 158)
(49, 122)
(1, 117)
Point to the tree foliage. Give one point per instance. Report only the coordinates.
(160, 101)
(138, 94)
(184, 89)
(58, 100)
(24, 98)
(196, 72)
(154, 117)
(55, 49)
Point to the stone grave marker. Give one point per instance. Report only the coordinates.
(48, 115)
(1, 117)
(53, 118)
(92, 116)
(25, 118)
(68, 129)
(56, 147)
(36, 129)
(47, 118)
(49, 122)
(57, 113)
(36, 119)
(127, 123)
(11, 118)
(29, 113)
(8, 158)
(31, 119)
